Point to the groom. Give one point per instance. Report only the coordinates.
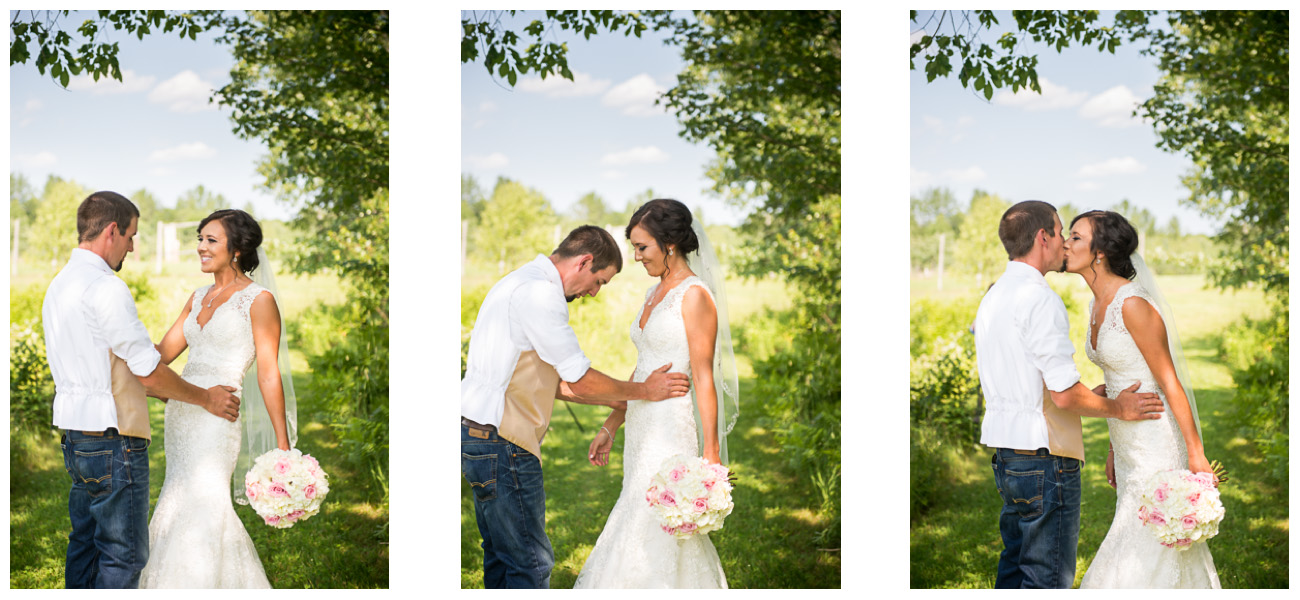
(103, 364)
(522, 356)
(1033, 402)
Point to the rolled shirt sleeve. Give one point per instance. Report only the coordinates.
(115, 313)
(1046, 332)
(543, 316)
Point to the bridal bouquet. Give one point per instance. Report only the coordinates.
(285, 486)
(1181, 507)
(690, 496)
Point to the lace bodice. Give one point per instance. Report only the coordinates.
(632, 551)
(196, 540)
(221, 350)
(1130, 556)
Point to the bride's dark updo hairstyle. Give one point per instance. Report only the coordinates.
(1115, 237)
(243, 235)
(668, 222)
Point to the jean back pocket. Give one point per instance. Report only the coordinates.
(481, 473)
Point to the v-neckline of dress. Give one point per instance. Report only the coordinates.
(641, 326)
(203, 326)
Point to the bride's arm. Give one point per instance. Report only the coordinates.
(173, 343)
(266, 340)
(1148, 331)
(701, 318)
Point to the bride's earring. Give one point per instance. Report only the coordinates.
(670, 252)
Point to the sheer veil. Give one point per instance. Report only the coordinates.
(1147, 280)
(259, 434)
(704, 262)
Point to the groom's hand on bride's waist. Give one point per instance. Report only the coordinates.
(222, 403)
(661, 384)
(1134, 406)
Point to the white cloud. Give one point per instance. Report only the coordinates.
(1112, 108)
(131, 83)
(487, 107)
(555, 86)
(636, 97)
(496, 160)
(1053, 97)
(1087, 186)
(184, 93)
(40, 160)
(611, 174)
(639, 155)
(934, 124)
(160, 172)
(33, 105)
(1115, 166)
(190, 151)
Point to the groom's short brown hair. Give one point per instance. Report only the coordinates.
(590, 239)
(101, 208)
(1020, 225)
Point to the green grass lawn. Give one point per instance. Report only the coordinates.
(344, 546)
(767, 541)
(956, 543)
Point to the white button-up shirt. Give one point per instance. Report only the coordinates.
(88, 312)
(1022, 343)
(524, 311)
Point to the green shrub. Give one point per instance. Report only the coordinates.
(1258, 352)
(945, 390)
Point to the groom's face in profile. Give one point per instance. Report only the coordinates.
(1056, 245)
(587, 282)
(123, 243)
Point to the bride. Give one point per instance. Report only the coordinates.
(1132, 337)
(196, 540)
(683, 321)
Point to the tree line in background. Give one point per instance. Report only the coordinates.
(313, 87)
(1222, 100)
(971, 243)
(762, 89)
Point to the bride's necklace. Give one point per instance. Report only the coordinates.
(649, 303)
(222, 289)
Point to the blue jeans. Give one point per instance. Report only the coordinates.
(510, 506)
(1040, 518)
(109, 509)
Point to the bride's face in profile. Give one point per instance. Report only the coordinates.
(1078, 246)
(647, 252)
(214, 253)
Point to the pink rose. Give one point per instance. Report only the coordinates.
(282, 466)
(667, 529)
(677, 473)
(1157, 517)
(309, 491)
(1162, 492)
(307, 458)
(295, 515)
(1143, 514)
(666, 498)
(250, 490)
(277, 489)
(272, 520)
(686, 527)
(1189, 522)
(652, 495)
(1183, 542)
(709, 483)
(1194, 497)
(701, 505)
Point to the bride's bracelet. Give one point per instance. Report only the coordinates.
(607, 432)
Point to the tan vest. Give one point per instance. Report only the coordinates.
(1064, 430)
(529, 400)
(131, 401)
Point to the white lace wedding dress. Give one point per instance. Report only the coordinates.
(1130, 556)
(632, 551)
(195, 538)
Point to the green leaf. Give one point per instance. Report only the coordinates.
(511, 77)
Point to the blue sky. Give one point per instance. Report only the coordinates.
(598, 133)
(1075, 143)
(154, 130)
